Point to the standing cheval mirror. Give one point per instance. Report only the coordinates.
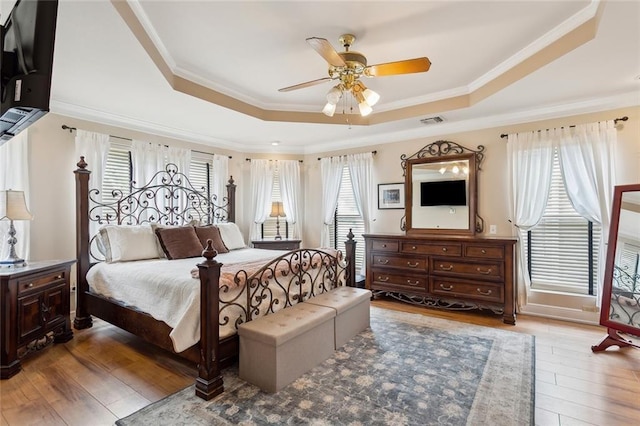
(621, 291)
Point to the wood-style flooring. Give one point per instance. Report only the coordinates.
(105, 373)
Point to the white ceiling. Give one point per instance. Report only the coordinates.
(249, 50)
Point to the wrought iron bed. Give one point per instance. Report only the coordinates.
(308, 272)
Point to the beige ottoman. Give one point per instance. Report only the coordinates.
(277, 349)
(352, 311)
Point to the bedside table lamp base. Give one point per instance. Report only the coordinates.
(13, 259)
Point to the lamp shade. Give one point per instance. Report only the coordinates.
(13, 205)
(277, 210)
(329, 109)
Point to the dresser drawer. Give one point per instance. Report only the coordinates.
(487, 252)
(459, 288)
(400, 281)
(480, 270)
(385, 245)
(442, 249)
(35, 282)
(408, 263)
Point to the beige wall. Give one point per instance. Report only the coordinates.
(492, 179)
(52, 161)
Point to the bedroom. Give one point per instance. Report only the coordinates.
(51, 151)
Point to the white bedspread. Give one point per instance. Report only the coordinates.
(165, 289)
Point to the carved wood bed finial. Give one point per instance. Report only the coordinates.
(209, 252)
(81, 164)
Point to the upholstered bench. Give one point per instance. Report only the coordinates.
(276, 349)
(352, 306)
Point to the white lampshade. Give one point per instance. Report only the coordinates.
(334, 95)
(329, 109)
(13, 206)
(365, 108)
(276, 209)
(371, 97)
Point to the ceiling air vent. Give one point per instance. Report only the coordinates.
(432, 120)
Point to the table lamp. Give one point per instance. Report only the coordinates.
(277, 211)
(13, 207)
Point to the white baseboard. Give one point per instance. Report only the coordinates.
(561, 313)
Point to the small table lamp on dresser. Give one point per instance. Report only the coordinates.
(13, 207)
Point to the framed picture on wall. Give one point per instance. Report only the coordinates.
(390, 196)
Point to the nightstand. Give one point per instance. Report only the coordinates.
(35, 303)
(277, 244)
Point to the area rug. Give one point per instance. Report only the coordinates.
(406, 369)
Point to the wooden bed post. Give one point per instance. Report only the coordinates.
(350, 256)
(209, 381)
(82, 318)
(231, 198)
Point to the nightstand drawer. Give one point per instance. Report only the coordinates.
(409, 263)
(443, 249)
(36, 282)
(384, 245)
(487, 252)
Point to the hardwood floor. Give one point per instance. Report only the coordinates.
(105, 373)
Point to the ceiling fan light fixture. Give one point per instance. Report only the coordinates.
(329, 109)
(365, 108)
(371, 97)
(334, 95)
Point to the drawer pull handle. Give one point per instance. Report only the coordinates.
(413, 265)
(59, 277)
(416, 282)
(30, 285)
(487, 272)
(485, 293)
(444, 249)
(483, 251)
(384, 245)
(446, 288)
(384, 280)
(383, 261)
(449, 268)
(413, 247)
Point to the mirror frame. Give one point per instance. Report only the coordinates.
(438, 151)
(607, 287)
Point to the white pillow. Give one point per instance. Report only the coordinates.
(128, 242)
(231, 235)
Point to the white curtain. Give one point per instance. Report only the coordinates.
(289, 172)
(149, 159)
(331, 174)
(219, 178)
(14, 174)
(587, 157)
(94, 147)
(261, 187)
(360, 170)
(529, 165)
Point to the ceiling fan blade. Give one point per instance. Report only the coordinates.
(326, 50)
(305, 84)
(400, 67)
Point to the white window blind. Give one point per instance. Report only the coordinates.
(629, 263)
(347, 217)
(562, 257)
(117, 173)
(200, 171)
(269, 225)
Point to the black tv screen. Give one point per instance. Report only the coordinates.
(443, 193)
(26, 64)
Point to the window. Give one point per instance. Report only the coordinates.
(200, 171)
(347, 217)
(117, 173)
(269, 225)
(563, 248)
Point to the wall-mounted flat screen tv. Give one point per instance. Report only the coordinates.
(26, 40)
(443, 193)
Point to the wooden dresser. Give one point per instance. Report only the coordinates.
(454, 272)
(35, 303)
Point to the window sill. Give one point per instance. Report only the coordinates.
(569, 307)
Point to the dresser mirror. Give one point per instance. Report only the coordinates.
(621, 290)
(441, 189)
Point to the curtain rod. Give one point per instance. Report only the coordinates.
(71, 129)
(625, 118)
(249, 159)
(320, 158)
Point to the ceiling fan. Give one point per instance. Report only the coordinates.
(348, 67)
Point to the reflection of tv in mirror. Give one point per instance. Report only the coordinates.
(443, 193)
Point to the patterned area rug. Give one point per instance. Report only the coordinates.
(407, 369)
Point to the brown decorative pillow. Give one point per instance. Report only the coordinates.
(211, 233)
(179, 242)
